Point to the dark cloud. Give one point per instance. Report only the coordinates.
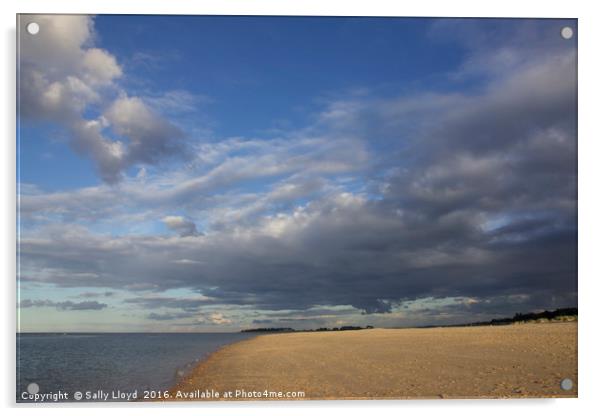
(151, 138)
(66, 305)
(96, 294)
(263, 321)
(181, 225)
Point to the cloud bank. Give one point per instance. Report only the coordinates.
(67, 305)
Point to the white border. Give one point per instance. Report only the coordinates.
(590, 69)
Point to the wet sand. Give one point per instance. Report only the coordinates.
(513, 361)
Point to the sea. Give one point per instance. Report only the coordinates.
(111, 363)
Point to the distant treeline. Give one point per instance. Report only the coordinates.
(268, 330)
(558, 314)
(564, 314)
(342, 328)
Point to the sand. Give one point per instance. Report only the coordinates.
(513, 361)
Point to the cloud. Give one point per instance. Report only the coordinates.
(64, 79)
(214, 318)
(168, 316)
(209, 187)
(96, 294)
(263, 321)
(154, 302)
(176, 101)
(219, 319)
(61, 47)
(306, 258)
(65, 306)
(151, 138)
(182, 226)
(186, 261)
(100, 67)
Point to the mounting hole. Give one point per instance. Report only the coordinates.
(33, 388)
(566, 32)
(566, 384)
(33, 28)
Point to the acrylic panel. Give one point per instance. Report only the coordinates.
(295, 208)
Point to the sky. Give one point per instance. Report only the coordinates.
(210, 174)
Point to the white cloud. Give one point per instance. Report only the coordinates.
(100, 67)
(60, 48)
(186, 261)
(62, 74)
(219, 319)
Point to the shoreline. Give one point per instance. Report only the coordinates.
(204, 359)
(513, 361)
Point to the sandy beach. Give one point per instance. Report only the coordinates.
(512, 361)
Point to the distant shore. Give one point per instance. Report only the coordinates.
(528, 360)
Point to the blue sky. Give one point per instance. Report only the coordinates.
(254, 77)
(184, 173)
(264, 72)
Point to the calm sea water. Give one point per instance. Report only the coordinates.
(110, 362)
